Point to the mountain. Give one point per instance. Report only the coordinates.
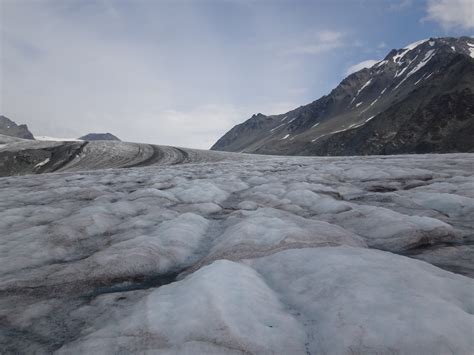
(10, 128)
(99, 137)
(418, 99)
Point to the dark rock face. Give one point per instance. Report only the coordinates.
(10, 128)
(419, 99)
(99, 137)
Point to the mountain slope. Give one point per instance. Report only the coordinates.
(10, 128)
(418, 99)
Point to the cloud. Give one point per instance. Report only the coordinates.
(321, 42)
(400, 5)
(364, 64)
(93, 67)
(451, 13)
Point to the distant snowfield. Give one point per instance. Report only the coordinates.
(56, 139)
(260, 255)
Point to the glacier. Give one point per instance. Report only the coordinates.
(246, 254)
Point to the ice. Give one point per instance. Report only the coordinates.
(316, 202)
(400, 306)
(449, 204)
(266, 231)
(200, 191)
(247, 205)
(389, 230)
(249, 253)
(224, 307)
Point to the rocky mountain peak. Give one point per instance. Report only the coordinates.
(400, 86)
(10, 128)
(99, 137)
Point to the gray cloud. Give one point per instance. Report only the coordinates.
(69, 68)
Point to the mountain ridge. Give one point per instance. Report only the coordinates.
(10, 128)
(435, 67)
(99, 137)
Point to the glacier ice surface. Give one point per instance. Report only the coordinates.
(257, 254)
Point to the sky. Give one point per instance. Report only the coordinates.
(183, 72)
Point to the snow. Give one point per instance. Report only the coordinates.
(248, 254)
(428, 55)
(57, 139)
(363, 87)
(368, 119)
(396, 58)
(40, 164)
(359, 103)
(471, 52)
(316, 124)
(454, 49)
(423, 76)
(284, 118)
(274, 129)
(285, 137)
(321, 136)
(361, 65)
(416, 44)
(400, 73)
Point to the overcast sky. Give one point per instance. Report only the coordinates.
(184, 72)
